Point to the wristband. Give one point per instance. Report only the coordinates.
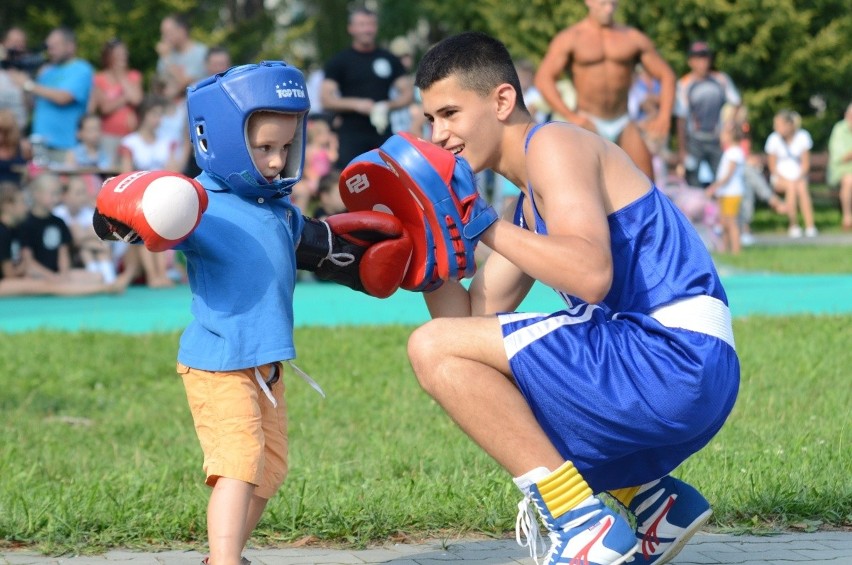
(29, 85)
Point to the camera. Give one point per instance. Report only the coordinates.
(23, 61)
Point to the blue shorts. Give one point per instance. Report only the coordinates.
(626, 400)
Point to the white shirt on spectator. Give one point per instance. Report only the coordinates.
(789, 156)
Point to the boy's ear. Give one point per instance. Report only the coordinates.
(505, 98)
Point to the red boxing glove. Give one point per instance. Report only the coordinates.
(160, 208)
(366, 251)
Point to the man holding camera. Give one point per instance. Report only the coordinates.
(60, 93)
(12, 98)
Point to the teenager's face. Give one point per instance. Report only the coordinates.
(462, 121)
(270, 136)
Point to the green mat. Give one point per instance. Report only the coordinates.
(143, 310)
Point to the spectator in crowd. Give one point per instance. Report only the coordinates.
(15, 150)
(88, 251)
(357, 85)
(840, 164)
(145, 150)
(330, 202)
(755, 184)
(701, 94)
(788, 154)
(174, 126)
(401, 118)
(13, 211)
(313, 82)
(61, 92)
(218, 60)
(90, 152)
(729, 185)
(12, 52)
(179, 55)
(320, 155)
(13, 278)
(116, 93)
(46, 239)
(600, 56)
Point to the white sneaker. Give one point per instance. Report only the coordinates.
(795, 232)
(746, 240)
(811, 232)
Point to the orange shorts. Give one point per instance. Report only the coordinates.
(242, 435)
(729, 206)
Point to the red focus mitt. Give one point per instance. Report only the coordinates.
(434, 194)
(158, 208)
(366, 251)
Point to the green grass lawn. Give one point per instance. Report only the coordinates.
(97, 447)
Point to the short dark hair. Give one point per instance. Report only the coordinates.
(479, 62)
(361, 11)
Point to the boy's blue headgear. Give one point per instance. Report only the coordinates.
(219, 107)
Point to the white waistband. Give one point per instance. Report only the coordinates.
(703, 314)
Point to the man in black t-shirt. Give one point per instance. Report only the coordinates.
(357, 85)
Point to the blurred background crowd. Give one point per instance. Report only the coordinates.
(734, 109)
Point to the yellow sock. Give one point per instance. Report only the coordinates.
(563, 489)
(624, 495)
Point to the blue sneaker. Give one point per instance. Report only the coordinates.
(668, 512)
(589, 535)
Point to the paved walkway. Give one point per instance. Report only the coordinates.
(821, 548)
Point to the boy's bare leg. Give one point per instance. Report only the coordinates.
(462, 364)
(226, 520)
(255, 511)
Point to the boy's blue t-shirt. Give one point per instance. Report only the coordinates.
(241, 264)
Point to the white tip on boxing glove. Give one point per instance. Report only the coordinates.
(159, 207)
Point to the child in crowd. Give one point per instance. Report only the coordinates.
(89, 153)
(330, 202)
(320, 154)
(87, 249)
(15, 150)
(729, 186)
(13, 278)
(145, 149)
(788, 150)
(13, 211)
(45, 238)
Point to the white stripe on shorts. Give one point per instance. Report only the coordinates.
(522, 337)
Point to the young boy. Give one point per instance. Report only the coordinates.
(612, 393)
(46, 239)
(13, 278)
(248, 131)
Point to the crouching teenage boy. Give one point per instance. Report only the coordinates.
(613, 392)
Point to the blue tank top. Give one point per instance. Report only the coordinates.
(657, 255)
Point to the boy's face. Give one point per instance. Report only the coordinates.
(76, 195)
(463, 122)
(46, 196)
(16, 211)
(90, 131)
(270, 136)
